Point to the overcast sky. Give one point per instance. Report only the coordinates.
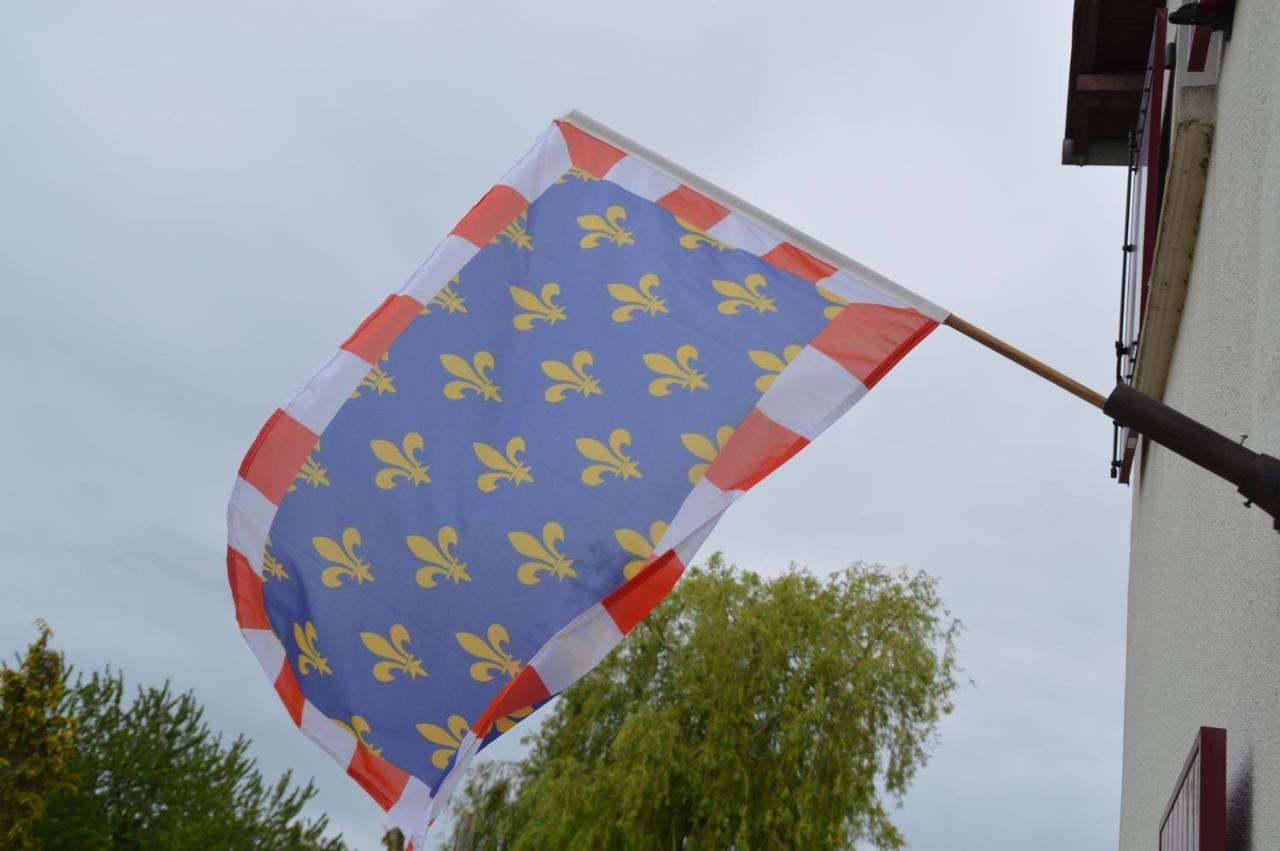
(197, 206)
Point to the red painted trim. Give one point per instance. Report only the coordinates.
(376, 334)
(587, 153)
(290, 693)
(1203, 802)
(1213, 789)
(757, 448)
(1198, 54)
(246, 592)
(635, 598)
(1126, 456)
(381, 779)
(491, 214)
(786, 256)
(276, 455)
(526, 690)
(694, 207)
(869, 339)
(1152, 143)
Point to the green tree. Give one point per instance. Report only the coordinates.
(743, 713)
(152, 775)
(37, 738)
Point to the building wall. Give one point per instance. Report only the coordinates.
(1204, 578)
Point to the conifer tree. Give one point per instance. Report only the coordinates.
(37, 739)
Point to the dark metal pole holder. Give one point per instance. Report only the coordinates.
(1257, 476)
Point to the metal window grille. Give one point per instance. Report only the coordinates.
(1144, 191)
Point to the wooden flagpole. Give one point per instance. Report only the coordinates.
(1257, 476)
(1023, 359)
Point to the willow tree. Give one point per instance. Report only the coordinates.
(742, 713)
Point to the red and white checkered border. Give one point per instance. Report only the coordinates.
(880, 325)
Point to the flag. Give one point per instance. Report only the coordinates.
(512, 460)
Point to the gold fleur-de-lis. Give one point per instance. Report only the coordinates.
(506, 722)
(738, 296)
(377, 379)
(639, 546)
(570, 377)
(537, 309)
(516, 234)
(772, 364)
(677, 373)
(272, 566)
(585, 177)
(545, 555)
(610, 459)
(697, 237)
(605, 229)
(449, 740)
(342, 559)
(494, 657)
(702, 447)
(837, 303)
(403, 460)
(636, 301)
(447, 299)
(508, 467)
(309, 658)
(472, 376)
(359, 728)
(439, 558)
(395, 654)
(311, 473)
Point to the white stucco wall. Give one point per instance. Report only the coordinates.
(1204, 580)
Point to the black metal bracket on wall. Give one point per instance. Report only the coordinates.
(1214, 14)
(1255, 475)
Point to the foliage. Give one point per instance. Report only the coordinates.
(393, 839)
(37, 738)
(743, 713)
(149, 774)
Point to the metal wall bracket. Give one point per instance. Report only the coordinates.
(1214, 14)
(1257, 476)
